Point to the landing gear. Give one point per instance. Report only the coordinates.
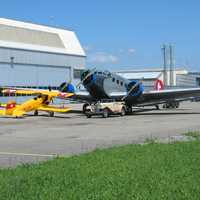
(36, 113)
(171, 105)
(129, 110)
(51, 114)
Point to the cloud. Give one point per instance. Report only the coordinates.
(87, 48)
(131, 51)
(102, 57)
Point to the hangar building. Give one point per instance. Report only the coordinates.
(37, 55)
(181, 77)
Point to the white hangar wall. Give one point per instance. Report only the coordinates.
(37, 55)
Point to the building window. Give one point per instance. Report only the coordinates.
(117, 81)
(77, 73)
(121, 83)
(198, 81)
(113, 79)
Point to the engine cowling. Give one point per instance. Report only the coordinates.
(91, 78)
(137, 91)
(67, 87)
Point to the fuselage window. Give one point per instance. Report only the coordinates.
(113, 79)
(117, 81)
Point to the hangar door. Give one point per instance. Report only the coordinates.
(29, 75)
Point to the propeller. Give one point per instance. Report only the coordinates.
(132, 88)
(88, 75)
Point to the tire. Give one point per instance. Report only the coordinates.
(105, 113)
(85, 107)
(36, 113)
(51, 114)
(177, 104)
(123, 112)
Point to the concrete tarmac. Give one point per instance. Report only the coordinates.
(33, 139)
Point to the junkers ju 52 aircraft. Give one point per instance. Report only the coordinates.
(101, 85)
(39, 103)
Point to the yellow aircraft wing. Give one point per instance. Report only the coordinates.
(2, 112)
(3, 105)
(53, 93)
(54, 109)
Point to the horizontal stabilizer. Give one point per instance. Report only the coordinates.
(53, 109)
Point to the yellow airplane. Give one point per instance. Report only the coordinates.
(39, 103)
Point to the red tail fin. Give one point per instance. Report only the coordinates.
(159, 85)
(10, 105)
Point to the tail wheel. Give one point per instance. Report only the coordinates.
(51, 114)
(123, 111)
(105, 113)
(36, 113)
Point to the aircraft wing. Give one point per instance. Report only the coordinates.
(162, 96)
(53, 109)
(82, 96)
(2, 111)
(22, 91)
(155, 97)
(2, 105)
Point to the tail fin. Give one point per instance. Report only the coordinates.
(159, 85)
(10, 106)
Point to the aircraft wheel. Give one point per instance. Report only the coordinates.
(123, 112)
(105, 113)
(129, 110)
(51, 114)
(36, 113)
(177, 104)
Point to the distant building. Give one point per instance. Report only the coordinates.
(181, 77)
(37, 55)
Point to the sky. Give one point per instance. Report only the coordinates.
(121, 34)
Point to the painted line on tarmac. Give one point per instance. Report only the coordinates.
(27, 154)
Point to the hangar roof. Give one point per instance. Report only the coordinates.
(28, 36)
(140, 75)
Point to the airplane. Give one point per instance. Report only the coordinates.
(39, 103)
(102, 85)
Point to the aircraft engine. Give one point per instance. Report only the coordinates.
(137, 91)
(88, 77)
(67, 87)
